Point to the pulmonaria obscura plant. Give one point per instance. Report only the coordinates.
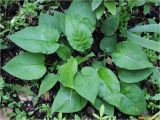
(65, 33)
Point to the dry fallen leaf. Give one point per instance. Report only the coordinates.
(24, 98)
(46, 96)
(109, 60)
(3, 116)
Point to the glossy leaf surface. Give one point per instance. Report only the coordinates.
(26, 66)
(130, 56)
(132, 76)
(110, 25)
(39, 39)
(78, 34)
(83, 81)
(48, 82)
(67, 72)
(68, 101)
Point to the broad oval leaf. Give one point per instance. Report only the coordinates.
(127, 101)
(108, 110)
(84, 80)
(99, 11)
(26, 66)
(67, 72)
(132, 99)
(60, 19)
(96, 4)
(78, 34)
(108, 95)
(57, 21)
(48, 82)
(130, 56)
(109, 86)
(64, 52)
(68, 101)
(82, 10)
(110, 25)
(38, 39)
(111, 6)
(146, 28)
(47, 20)
(132, 76)
(133, 3)
(109, 79)
(108, 44)
(147, 43)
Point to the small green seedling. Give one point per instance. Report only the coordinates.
(59, 117)
(101, 113)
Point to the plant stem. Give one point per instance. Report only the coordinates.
(4, 31)
(154, 116)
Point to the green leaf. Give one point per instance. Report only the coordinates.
(132, 76)
(109, 86)
(110, 25)
(130, 56)
(84, 80)
(109, 96)
(111, 6)
(147, 43)
(99, 11)
(47, 20)
(146, 28)
(82, 10)
(60, 21)
(48, 82)
(109, 79)
(26, 66)
(128, 101)
(3, 44)
(83, 59)
(64, 52)
(132, 99)
(26, 90)
(2, 83)
(78, 34)
(157, 2)
(156, 97)
(146, 9)
(67, 72)
(96, 116)
(155, 77)
(108, 44)
(109, 109)
(57, 21)
(37, 39)
(133, 3)
(96, 4)
(101, 110)
(68, 101)
(98, 64)
(76, 117)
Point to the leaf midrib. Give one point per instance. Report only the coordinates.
(139, 60)
(43, 40)
(41, 64)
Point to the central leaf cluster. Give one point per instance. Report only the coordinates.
(96, 84)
